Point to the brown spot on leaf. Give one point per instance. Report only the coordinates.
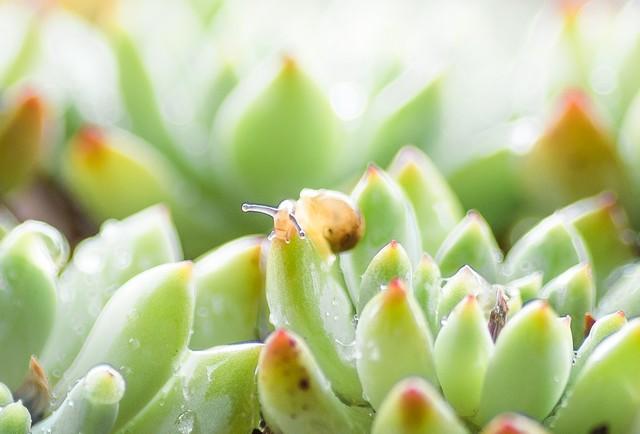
(304, 384)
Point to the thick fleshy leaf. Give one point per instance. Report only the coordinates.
(532, 356)
(490, 184)
(572, 293)
(113, 174)
(139, 96)
(606, 393)
(414, 407)
(437, 209)
(275, 135)
(387, 216)
(305, 296)
(603, 226)
(573, 159)
(393, 342)
(21, 131)
(30, 257)
(91, 406)
(600, 330)
(15, 419)
(225, 79)
(143, 332)
(403, 116)
(623, 293)
(229, 285)
(528, 286)
(390, 262)
(462, 352)
(426, 288)
(295, 395)
(457, 287)
(470, 243)
(213, 392)
(100, 265)
(550, 247)
(513, 423)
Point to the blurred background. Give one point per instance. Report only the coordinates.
(109, 106)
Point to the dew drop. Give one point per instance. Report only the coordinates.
(134, 343)
(184, 422)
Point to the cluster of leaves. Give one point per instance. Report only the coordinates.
(432, 332)
(269, 133)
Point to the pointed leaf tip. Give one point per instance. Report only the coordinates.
(396, 290)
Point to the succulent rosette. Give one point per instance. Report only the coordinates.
(367, 327)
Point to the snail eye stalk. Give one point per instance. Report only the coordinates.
(283, 218)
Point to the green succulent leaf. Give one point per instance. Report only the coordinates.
(550, 247)
(213, 392)
(528, 287)
(100, 265)
(426, 288)
(275, 135)
(414, 407)
(393, 342)
(404, 116)
(30, 258)
(623, 293)
(387, 216)
(15, 419)
(306, 297)
(604, 229)
(224, 81)
(138, 94)
(574, 158)
(91, 406)
(572, 293)
(606, 394)
(532, 355)
(295, 395)
(462, 352)
(465, 282)
(437, 208)
(229, 284)
(390, 262)
(490, 183)
(143, 332)
(600, 330)
(470, 243)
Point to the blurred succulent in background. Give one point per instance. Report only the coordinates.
(205, 132)
(362, 334)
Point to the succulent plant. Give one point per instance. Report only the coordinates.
(268, 133)
(364, 330)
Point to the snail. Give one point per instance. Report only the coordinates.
(318, 213)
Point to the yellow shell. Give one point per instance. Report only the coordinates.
(333, 216)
